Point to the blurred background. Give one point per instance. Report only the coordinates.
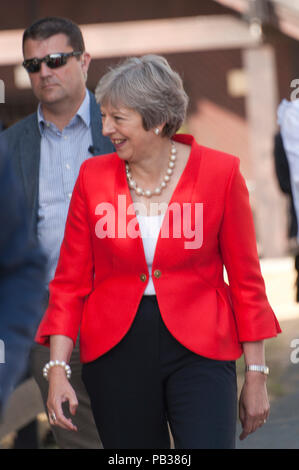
(238, 60)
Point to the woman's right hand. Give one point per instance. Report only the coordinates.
(60, 391)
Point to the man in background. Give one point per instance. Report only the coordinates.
(48, 148)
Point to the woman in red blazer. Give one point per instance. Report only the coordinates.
(149, 231)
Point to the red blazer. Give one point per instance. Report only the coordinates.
(99, 282)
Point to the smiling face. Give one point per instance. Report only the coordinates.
(63, 84)
(125, 129)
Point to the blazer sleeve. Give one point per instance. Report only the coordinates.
(254, 316)
(74, 275)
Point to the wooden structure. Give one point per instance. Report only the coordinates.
(22, 408)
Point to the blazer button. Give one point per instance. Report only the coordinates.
(157, 273)
(143, 277)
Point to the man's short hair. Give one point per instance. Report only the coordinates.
(49, 26)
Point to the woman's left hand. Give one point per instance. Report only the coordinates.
(253, 404)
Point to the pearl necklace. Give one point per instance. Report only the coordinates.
(147, 192)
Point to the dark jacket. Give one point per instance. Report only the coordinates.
(21, 282)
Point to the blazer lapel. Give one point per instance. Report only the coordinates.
(29, 155)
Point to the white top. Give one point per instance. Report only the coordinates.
(150, 227)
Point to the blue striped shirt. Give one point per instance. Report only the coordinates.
(62, 153)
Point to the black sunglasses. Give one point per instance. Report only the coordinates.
(53, 61)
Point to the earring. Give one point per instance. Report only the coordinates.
(157, 131)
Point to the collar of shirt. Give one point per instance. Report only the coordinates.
(83, 114)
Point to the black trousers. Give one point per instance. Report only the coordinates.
(149, 379)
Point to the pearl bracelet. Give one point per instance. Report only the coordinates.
(51, 364)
